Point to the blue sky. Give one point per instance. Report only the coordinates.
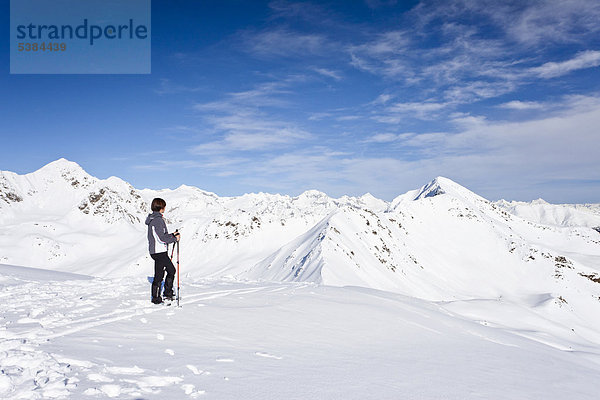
(345, 97)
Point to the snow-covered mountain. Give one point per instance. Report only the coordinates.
(545, 213)
(530, 270)
(438, 242)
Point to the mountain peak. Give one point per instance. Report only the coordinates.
(539, 201)
(439, 185)
(312, 195)
(367, 196)
(62, 165)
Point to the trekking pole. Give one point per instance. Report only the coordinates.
(173, 251)
(178, 273)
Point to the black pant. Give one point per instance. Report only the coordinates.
(162, 262)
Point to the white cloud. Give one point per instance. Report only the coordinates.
(549, 21)
(183, 128)
(397, 112)
(495, 158)
(329, 73)
(348, 118)
(285, 43)
(244, 123)
(585, 59)
(319, 116)
(469, 92)
(503, 158)
(262, 95)
(522, 105)
(386, 54)
(417, 107)
(383, 138)
(169, 87)
(523, 23)
(463, 66)
(467, 62)
(251, 135)
(249, 130)
(561, 144)
(382, 98)
(217, 165)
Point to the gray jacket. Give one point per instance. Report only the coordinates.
(158, 237)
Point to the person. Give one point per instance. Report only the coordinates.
(158, 240)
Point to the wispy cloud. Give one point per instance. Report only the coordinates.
(329, 73)
(250, 134)
(422, 108)
(535, 142)
(387, 137)
(487, 156)
(382, 99)
(399, 111)
(283, 42)
(546, 21)
(386, 54)
(469, 92)
(446, 47)
(585, 59)
(167, 86)
(523, 23)
(243, 121)
(522, 105)
(263, 95)
(319, 116)
(448, 89)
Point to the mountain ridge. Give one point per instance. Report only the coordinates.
(440, 242)
(255, 227)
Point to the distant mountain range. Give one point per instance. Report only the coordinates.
(440, 242)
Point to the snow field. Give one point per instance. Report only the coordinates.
(100, 338)
(437, 294)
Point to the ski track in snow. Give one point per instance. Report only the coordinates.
(52, 310)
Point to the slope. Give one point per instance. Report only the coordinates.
(67, 338)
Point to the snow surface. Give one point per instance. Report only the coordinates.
(439, 293)
(102, 338)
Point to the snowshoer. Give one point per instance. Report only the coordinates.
(158, 240)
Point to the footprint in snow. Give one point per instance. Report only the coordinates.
(194, 370)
